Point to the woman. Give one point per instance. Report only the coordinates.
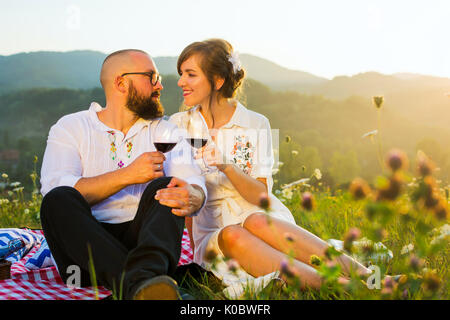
(231, 224)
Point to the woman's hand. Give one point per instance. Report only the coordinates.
(212, 156)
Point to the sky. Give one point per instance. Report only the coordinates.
(327, 38)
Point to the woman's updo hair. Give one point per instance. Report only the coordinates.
(214, 63)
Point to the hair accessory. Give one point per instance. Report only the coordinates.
(235, 61)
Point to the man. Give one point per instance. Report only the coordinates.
(109, 201)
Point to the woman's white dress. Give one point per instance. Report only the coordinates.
(246, 141)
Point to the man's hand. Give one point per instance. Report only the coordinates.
(146, 167)
(185, 199)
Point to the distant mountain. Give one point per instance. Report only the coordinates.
(80, 70)
(369, 84)
(74, 69)
(278, 77)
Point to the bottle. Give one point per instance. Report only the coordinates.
(11, 247)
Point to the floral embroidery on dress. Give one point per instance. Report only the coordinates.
(242, 153)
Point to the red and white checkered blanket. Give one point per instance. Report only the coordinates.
(46, 284)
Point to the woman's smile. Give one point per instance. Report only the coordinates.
(193, 82)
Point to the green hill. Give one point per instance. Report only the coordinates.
(326, 134)
(80, 70)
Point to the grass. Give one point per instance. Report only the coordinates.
(396, 222)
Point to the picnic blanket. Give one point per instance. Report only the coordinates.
(46, 283)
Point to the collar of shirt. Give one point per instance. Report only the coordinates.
(136, 128)
(240, 117)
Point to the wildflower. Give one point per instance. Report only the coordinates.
(424, 165)
(441, 234)
(289, 237)
(386, 292)
(210, 254)
(389, 283)
(294, 152)
(407, 249)
(15, 184)
(431, 282)
(315, 260)
(232, 265)
(287, 193)
(380, 234)
(378, 101)
(20, 189)
(405, 294)
(301, 182)
(416, 263)
(287, 269)
(317, 174)
(392, 189)
(441, 210)
(4, 201)
(264, 201)
(370, 134)
(359, 188)
(397, 160)
(368, 248)
(403, 279)
(350, 237)
(26, 211)
(308, 201)
(4, 176)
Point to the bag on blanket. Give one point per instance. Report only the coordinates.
(29, 238)
(42, 258)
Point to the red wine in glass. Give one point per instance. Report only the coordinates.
(164, 146)
(197, 142)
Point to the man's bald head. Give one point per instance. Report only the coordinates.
(122, 61)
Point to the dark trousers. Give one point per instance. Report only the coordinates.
(145, 247)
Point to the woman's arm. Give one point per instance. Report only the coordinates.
(249, 188)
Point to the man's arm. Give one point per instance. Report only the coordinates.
(146, 167)
(98, 188)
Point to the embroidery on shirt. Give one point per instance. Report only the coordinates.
(129, 149)
(113, 149)
(242, 153)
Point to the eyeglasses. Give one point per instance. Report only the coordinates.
(154, 77)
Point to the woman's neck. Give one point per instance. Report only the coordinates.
(218, 113)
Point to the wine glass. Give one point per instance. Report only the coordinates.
(164, 137)
(198, 137)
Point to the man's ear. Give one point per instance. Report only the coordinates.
(120, 84)
(219, 83)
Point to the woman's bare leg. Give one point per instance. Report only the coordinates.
(258, 258)
(292, 239)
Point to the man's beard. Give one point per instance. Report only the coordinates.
(144, 107)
